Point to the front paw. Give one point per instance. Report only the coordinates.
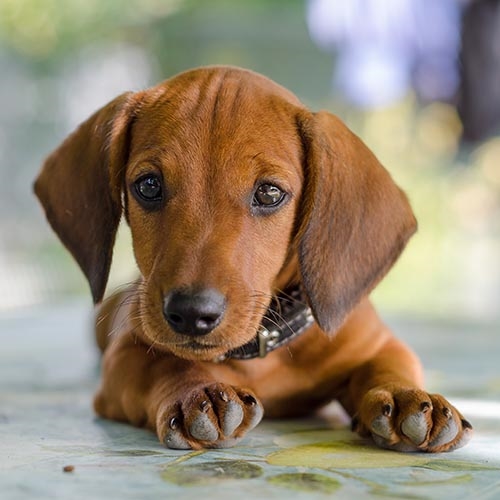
(212, 416)
(411, 420)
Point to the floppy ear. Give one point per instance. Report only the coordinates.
(79, 187)
(354, 222)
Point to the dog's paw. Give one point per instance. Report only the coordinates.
(213, 416)
(411, 420)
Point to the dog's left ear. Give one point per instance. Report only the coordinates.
(354, 220)
(79, 187)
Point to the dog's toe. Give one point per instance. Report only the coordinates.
(253, 411)
(415, 426)
(447, 433)
(228, 407)
(450, 430)
(381, 425)
(204, 426)
(232, 418)
(174, 436)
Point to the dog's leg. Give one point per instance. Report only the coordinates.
(390, 405)
(177, 399)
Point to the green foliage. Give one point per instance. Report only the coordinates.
(43, 29)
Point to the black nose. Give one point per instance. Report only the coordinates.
(194, 313)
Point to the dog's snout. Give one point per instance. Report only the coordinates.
(194, 313)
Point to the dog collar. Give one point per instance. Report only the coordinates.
(286, 318)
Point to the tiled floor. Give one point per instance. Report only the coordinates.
(49, 370)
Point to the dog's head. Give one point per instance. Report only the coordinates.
(232, 189)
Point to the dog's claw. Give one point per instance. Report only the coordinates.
(447, 412)
(355, 423)
(215, 416)
(205, 406)
(411, 420)
(387, 410)
(249, 400)
(425, 406)
(466, 424)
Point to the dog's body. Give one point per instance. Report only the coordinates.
(235, 194)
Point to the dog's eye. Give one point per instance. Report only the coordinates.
(268, 196)
(148, 188)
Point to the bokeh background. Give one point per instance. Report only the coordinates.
(418, 80)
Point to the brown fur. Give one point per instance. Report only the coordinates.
(212, 134)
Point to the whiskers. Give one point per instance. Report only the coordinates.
(125, 309)
(133, 309)
(274, 306)
(151, 347)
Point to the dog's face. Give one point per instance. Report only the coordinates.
(231, 189)
(212, 186)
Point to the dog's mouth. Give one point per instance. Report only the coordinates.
(197, 346)
(193, 349)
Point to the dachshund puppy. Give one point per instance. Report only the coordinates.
(259, 229)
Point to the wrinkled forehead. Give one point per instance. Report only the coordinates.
(221, 112)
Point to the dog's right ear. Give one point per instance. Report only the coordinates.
(355, 220)
(80, 186)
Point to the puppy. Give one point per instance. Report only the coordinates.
(259, 229)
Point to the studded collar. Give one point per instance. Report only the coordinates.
(287, 317)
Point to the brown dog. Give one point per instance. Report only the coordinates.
(245, 210)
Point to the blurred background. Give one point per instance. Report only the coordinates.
(419, 81)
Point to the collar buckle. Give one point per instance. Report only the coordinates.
(267, 340)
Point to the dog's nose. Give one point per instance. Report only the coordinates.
(194, 313)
